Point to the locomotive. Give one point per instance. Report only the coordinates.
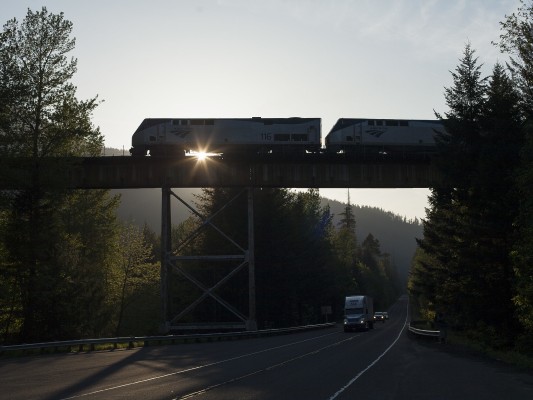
(238, 136)
(387, 137)
(165, 136)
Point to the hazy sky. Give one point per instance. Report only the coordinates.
(274, 58)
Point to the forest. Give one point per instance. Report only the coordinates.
(395, 233)
(474, 263)
(70, 268)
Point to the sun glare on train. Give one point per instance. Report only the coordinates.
(201, 156)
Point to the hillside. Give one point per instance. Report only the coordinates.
(144, 206)
(395, 234)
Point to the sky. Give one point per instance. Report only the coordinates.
(277, 58)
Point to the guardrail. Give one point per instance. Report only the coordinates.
(423, 332)
(426, 332)
(132, 341)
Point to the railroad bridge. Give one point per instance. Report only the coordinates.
(311, 171)
(188, 172)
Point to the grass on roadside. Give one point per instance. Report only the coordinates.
(508, 356)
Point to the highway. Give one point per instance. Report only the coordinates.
(383, 363)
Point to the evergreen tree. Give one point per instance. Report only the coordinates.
(378, 276)
(347, 251)
(74, 287)
(468, 235)
(523, 250)
(292, 254)
(347, 220)
(422, 284)
(458, 147)
(517, 40)
(448, 218)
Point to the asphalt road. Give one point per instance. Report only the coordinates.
(383, 363)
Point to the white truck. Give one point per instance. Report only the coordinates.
(358, 313)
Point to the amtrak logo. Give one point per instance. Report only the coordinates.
(375, 132)
(182, 133)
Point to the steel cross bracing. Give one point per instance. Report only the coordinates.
(172, 263)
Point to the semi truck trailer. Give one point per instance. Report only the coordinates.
(358, 313)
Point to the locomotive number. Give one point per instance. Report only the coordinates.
(266, 136)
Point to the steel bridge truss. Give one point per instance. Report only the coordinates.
(173, 263)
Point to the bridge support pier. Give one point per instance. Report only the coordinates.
(251, 323)
(166, 229)
(169, 264)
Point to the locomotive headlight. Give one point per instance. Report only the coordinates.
(201, 155)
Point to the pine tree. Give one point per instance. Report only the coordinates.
(516, 39)
(448, 223)
(466, 102)
(347, 252)
(493, 205)
(468, 234)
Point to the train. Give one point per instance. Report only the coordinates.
(356, 137)
(385, 137)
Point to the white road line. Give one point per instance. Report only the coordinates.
(202, 391)
(373, 362)
(196, 368)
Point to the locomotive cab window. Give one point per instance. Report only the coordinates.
(299, 137)
(282, 137)
(349, 138)
(202, 122)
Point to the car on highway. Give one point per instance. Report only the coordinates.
(378, 316)
(385, 314)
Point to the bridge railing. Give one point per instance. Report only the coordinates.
(137, 341)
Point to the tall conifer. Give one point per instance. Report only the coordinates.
(516, 40)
